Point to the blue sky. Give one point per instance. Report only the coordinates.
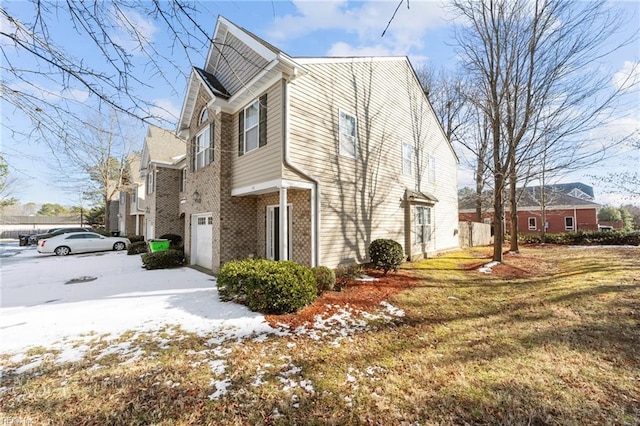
(300, 28)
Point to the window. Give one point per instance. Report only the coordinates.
(123, 197)
(202, 221)
(252, 126)
(532, 224)
(407, 158)
(422, 220)
(150, 176)
(183, 180)
(348, 135)
(432, 169)
(204, 116)
(568, 223)
(203, 147)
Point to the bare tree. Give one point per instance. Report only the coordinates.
(8, 186)
(99, 153)
(534, 64)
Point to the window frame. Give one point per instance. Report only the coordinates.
(150, 180)
(341, 135)
(255, 126)
(573, 225)
(407, 163)
(183, 179)
(201, 150)
(422, 227)
(533, 227)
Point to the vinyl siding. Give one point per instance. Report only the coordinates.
(362, 199)
(265, 163)
(237, 65)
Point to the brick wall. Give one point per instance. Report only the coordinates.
(237, 214)
(167, 202)
(301, 223)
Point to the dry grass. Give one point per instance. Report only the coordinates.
(550, 337)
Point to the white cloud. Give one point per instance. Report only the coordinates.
(133, 30)
(628, 78)
(165, 109)
(366, 21)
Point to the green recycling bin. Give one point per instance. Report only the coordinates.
(158, 245)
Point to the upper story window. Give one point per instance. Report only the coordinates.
(204, 116)
(183, 180)
(252, 126)
(202, 148)
(348, 135)
(532, 224)
(407, 159)
(150, 180)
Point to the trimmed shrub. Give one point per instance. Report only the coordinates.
(135, 238)
(233, 276)
(137, 248)
(386, 254)
(607, 237)
(325, 278)
(280, 287)
(345, 274)
(271, 287)
(163, 259)
(175, 240)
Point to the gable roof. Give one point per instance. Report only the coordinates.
(262, 63)
(162, 147)
(530, 198)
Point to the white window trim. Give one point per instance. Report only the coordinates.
(355, 137)
(573, 225)
(535, 223)
(204, 116)
(407, 171)
(183, 179)
(255, 126)
(150, 180)
(420, 228)
(203, 151)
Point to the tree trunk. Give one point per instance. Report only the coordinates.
(498, 220)
(513, 213)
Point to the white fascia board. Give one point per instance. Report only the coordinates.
(347, 59)
(270, 186)
(252, 88)
(241, 35)
(189, 99)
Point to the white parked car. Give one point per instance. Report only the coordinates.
(81, 242)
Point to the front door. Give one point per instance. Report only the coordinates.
(273, 232)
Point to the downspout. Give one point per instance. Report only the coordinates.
(315, 192)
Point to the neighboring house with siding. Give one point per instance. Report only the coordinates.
(568, 207)
(311, 159)
(132, 199)
(161, 167)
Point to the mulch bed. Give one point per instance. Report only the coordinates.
(358, 294)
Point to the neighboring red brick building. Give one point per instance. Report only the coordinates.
(568, 208)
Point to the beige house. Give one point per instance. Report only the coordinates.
(162, 167)
(311, 159)
(132, 199)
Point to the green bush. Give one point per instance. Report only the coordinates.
(137, 248)
(135, 238)
(175, 240)
(345, 274)
(325, 278)
(272, 287)
(607, 237)
(233, 276)
(163, 259)
(386, 254)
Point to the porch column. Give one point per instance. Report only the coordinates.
(284, 222)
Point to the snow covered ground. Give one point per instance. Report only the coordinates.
(56, 301)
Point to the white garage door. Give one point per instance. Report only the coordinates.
(202, 240)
